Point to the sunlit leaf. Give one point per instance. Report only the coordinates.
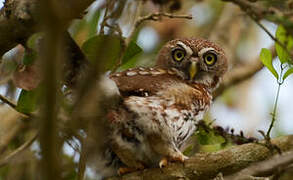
(290, 48)
(27, 101)
(266, 58)
(103, 48)
(130, 64)
(132, 50)
(33, 41)
(288, 73)
(287, 41)
(78, 31)
(93, 22)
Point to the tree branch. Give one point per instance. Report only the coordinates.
(16, 23)
(208, 165)
(19, 19)
(265, 168)
(16, 152)
(7, 101)
(157, 16)
(257, 13)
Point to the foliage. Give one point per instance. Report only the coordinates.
(112, 55)
(27, 101)
(114, 48)
(284, 46)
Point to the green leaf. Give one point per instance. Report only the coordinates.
(132, 50)
(208, 137)
(27, 101)
(287, 41)
(188, 150)
(77, 29)
(93, 22)
(288, 73)
(103, 49)
(33, 41)
(29, 57)
(266, 58)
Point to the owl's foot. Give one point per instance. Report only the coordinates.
(178, 157)
(163, 162)
(126, 170)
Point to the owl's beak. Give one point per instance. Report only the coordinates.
(193, 69)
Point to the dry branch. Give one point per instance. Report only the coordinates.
(16, 23)
(7, 101)
(16, 152)
(208, 165)
(265, 168)
(158, 15)
(19, 19)
(257, 13)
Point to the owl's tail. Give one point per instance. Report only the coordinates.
(103, 161)
(97, 150)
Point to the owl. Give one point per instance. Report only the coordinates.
(160, 106)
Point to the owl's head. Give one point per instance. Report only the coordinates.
(195, 60)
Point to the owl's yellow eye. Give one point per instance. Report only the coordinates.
(178, 54)
(210, 58)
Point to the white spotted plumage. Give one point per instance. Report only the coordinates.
(160, 105)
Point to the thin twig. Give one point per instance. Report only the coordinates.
(274, 113)
(9, 135)
(271, 36)
(117, 28)
(81, 165)
(13, 106)
(104, 22)
(257, 13)
(7, 101)
(156, 16)
(136, 16)
(16, 152)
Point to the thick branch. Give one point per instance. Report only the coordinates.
(16, 23)
(208, 165)
(265, 168)
(19, 19)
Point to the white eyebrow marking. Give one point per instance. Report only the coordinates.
(185, 47)
(204, 50)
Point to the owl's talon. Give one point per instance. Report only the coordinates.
(181, 158)
(163, 162)
(125, 170)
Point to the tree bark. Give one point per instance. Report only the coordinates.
(208, 165)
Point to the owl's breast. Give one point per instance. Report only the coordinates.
(157, 115)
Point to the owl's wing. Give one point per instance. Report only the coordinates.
(142, 81)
